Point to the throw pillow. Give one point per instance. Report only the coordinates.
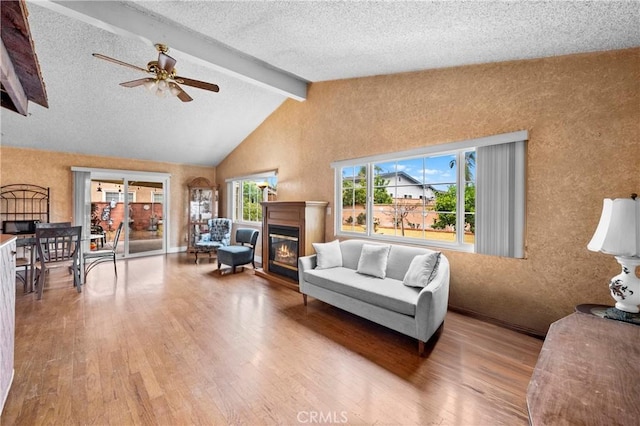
(205, 238)
(329, 255)
(422, 270)
(373, 260)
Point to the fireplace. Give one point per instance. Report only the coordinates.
(283, 250)
(289, 229)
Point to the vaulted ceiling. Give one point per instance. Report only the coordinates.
(260, 54)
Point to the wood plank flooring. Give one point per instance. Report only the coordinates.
(174, 343)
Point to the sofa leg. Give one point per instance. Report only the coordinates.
(421, 351)
(304, 298)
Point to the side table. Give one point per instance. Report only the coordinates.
(609, 312)
(587, 374)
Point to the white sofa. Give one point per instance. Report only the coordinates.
(416, 312)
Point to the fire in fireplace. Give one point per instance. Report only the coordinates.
(283, 250)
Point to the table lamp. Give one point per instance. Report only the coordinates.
(618, 234)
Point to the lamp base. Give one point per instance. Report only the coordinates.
(618, 315)
(625, 287)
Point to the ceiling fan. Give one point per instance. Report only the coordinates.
(164, 78)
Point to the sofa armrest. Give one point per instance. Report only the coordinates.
(432, 302)
(305, 263)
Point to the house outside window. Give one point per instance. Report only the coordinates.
(118, 196)
(157, 197)
(248, 192)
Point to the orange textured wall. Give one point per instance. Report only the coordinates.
(53, 170)
(583, 117)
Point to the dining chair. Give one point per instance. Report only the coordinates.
(95, 257)
(58, 247)
(239, 254)
(25, 261)
(22, 271)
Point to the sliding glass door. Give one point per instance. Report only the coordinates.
(146, 213)
(137, 200)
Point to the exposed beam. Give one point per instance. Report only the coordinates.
(119, 19)
(16, 37)
(10, 82)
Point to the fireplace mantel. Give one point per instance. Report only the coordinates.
(307, 216)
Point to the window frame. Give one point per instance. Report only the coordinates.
(459, 148)
(234, 197)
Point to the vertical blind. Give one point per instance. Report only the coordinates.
(500, 199)
(82, 201)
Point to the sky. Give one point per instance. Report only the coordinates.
(429, 170)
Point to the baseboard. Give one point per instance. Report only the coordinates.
(485, 318)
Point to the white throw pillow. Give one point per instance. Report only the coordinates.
(373, 260)
(329, 255)
(422, 270)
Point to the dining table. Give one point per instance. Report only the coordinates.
(28, 244)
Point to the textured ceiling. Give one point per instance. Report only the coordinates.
(316, 41)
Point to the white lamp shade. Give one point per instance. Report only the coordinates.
(618, 232)
(151, 85)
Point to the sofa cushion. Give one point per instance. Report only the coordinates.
(422, 270)
(209, 244)
(328, 254)
(387, 293)
(400, 258)
(351, 253)
(373, 260)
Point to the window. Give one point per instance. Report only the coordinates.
(158, 197)
(118, 197)
(428, 196)
(248, 192)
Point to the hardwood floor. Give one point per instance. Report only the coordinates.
(172, 342)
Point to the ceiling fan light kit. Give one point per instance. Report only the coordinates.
(165, 82)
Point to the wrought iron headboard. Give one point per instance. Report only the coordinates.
(24, 202)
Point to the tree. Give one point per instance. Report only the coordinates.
(469, 165)
(353, 195)
(357, 195)
(401, 209)
(447, 201)
(251, 198)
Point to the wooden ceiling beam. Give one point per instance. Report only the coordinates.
(119, 19)
(11, 84)
(20, 53)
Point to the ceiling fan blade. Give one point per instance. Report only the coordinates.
(136, 83)
(166, 62)
(181, 94)
(199, 84)
(115, 61)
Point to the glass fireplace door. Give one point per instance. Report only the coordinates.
(283, 250)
